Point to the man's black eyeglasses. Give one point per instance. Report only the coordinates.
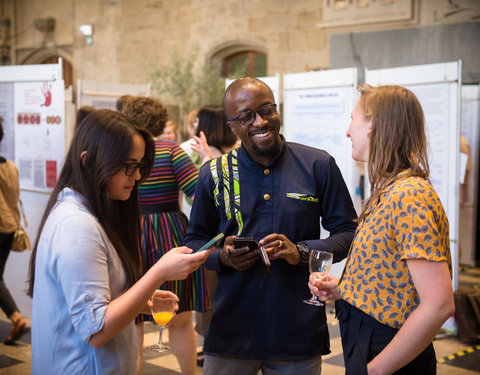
(131, 168)
(265, 112)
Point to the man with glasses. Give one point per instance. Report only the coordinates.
(277, 192)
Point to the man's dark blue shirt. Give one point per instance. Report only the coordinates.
(259, 314)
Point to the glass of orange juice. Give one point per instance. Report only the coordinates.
(163, 310)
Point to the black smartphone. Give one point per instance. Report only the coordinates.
(245, 241)
(253, 245)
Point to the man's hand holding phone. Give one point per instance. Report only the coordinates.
(239, 253)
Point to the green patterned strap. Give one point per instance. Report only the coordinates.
(236, 192)
(213, 171)
(228, 185)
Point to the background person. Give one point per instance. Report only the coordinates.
(219, 137)
(396, 290)
(164, 226)
(9, 222)
(122, 101)
(169, 132)
(277, 192)
(85, 265)
(192, 123)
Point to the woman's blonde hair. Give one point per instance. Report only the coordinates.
(398, 140)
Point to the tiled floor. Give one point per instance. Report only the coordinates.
(454, 357)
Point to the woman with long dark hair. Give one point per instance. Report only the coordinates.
(396, 290)
(86, 265)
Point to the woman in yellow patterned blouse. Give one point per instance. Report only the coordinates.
(396, 291)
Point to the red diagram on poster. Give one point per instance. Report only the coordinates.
(28, 118)
(51, 173)
(46, 90)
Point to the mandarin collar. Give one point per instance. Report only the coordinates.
(254, 165)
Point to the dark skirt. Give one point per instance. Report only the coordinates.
(363, 338)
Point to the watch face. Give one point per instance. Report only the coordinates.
(303, 247)
(304, 252)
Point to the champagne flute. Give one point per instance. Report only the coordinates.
(319, 261)
(163, 310)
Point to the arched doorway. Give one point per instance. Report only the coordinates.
(241, 58)
(51, 56)
(66, 67)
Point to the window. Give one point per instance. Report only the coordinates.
(247, 63)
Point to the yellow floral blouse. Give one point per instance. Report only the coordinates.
(408, 222)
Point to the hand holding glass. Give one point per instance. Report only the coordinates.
(319, 261)
(163, 310)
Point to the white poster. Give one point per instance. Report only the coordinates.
(6, 112)
(434, 99)
(319, 118)
(39, 133)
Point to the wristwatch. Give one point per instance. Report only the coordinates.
(304, 252)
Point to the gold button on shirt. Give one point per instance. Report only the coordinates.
(266, 197)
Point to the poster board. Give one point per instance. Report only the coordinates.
(32, 103)
(103, 95)
(470, 129)
(317, 108)
(437, 87)
(7, 149)
(25, 91)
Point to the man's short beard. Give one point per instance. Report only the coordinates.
(265, 151)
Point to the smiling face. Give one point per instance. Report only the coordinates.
(359, 133)
(120, 186)
(261, 139)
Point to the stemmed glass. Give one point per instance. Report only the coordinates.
(163, 310)
(319, 261)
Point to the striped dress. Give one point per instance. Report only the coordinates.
(164, 225)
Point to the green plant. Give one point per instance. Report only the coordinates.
(180, 83)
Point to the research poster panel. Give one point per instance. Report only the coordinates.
(103, 95)
(437, 87)
(39, 118)
(470, 130)
(317, 108)
(6, 112)
(434, 99)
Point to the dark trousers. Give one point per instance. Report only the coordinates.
(363, 338)
(7, 304)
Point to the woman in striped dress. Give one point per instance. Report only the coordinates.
(164, 226)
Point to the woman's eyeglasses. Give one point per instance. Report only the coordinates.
(265, 112)
(131, 168)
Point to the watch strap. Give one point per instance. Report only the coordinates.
(304, 252)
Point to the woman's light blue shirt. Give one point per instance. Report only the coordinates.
(77, 274)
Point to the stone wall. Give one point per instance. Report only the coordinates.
(131, 35)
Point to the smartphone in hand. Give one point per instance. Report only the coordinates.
(253, 245)
(245, 241)
(212, 242)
